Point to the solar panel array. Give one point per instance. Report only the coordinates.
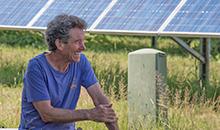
(89, 10)
(161, 17)
(197, 16)
(19, 12)
(140, 15)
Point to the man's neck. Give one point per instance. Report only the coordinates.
(57, 61)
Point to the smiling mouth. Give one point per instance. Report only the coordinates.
(76, 56)
(77, 53)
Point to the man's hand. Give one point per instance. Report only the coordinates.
(103, 113)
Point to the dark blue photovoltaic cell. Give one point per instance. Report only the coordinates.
(141, 15)
(197, 16)
(89, 10)
(19, 12)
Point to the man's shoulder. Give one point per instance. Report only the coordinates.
(35, 61)
(37, 57)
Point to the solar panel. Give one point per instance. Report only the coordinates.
(145, 17)
(89, 10)
(197, 16)
(19, 12)
(140, 15)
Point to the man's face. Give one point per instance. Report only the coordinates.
(75, 45)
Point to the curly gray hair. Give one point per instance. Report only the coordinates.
(59, 28)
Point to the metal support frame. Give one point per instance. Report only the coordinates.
(204, 67)
(203, 56)
(154, 42)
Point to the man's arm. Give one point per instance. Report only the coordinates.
(101, 113)
(98, 98)
(50, 114)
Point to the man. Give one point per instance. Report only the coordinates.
(53, 79)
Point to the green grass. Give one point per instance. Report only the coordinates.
(190, 106)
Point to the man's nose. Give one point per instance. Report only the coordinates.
(82, 46)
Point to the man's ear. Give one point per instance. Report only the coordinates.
(59, 44)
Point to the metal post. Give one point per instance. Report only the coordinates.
(154, 42)
(188, 49)
(204, 67)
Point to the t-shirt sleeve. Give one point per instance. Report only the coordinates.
(88, 77)
(34, 83)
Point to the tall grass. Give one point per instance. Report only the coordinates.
(10, 104)
(189, 105)
(111, 70)
(182, 115)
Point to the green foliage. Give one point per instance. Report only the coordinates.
(11, 75)
(107, 43)
(215, 48)
(22, 38)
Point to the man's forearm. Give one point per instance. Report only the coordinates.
(65, 115)
(61, 115)
(49, 113)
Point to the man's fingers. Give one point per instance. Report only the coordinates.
(106, 105)
(111, 119)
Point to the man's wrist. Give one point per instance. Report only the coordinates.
(87, 114)
(83, 114)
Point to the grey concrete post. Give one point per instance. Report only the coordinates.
(146, 84)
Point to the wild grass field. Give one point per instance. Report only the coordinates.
(190, 106)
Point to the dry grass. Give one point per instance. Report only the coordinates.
(10, 104)
(182, 115)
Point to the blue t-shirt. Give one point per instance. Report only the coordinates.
(43, 82)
